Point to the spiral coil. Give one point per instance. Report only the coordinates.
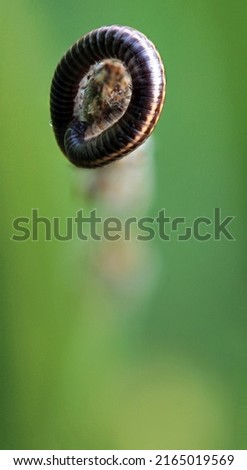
(145, 68)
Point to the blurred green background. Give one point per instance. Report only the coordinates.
(84, 367)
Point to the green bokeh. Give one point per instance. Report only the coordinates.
(80, 367)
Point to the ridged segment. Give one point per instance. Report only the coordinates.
(148, 90)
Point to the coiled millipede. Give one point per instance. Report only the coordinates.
(114, 77)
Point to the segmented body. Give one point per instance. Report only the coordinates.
(145, 68)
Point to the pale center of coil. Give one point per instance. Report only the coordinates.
(103, 96)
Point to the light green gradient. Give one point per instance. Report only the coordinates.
(84, 367)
